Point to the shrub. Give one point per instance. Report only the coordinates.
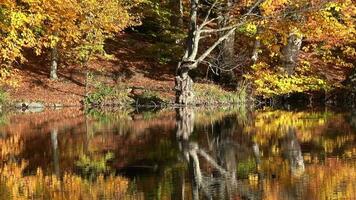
(105, 95)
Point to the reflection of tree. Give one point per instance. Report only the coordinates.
(292, 151)
(223, 160)
(55, 151)
(352, 119)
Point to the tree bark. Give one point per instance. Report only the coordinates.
(54, 63)
(226, 49)
(183, 82)
(291, 52)
(256, 49)
(178, 10)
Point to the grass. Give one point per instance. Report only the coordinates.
(150, 98)
(105, 95)
(4, 97)
(210, 94)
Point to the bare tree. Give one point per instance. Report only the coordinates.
(190, 60)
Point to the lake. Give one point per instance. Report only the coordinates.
(178, 154)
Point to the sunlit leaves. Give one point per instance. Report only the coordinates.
(269, 83)
(75, 27)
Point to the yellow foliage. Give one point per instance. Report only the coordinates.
(269, 83)
(10, 147)
(17, 186)
(271, 123)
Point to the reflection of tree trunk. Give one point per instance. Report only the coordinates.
(185, 123)
(182, 180)
(293, 152)
(54, 142)
(184, 128)
(230, 163)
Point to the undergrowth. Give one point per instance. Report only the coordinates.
(209, 94)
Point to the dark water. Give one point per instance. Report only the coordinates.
(178, 154)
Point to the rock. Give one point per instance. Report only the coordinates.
(58, 105)
(35, 105)
(21, 105)
(35, 109)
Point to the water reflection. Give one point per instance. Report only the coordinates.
(179, 154)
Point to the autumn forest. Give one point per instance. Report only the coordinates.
(178, 99)
(234, 50)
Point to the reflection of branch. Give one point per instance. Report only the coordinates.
(212, 162)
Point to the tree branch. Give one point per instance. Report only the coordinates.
(206, 20)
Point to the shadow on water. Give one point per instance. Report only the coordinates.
(179, 154)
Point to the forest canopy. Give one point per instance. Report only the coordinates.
(272, 47)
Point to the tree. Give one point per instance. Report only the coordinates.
(310, 42)
(61, 27)
(190, 60)
(18, 31)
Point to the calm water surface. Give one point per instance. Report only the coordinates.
(178, 154)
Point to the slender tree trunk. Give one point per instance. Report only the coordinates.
(256, 50)
(291, 52)
(178, 10)
(181, 13)
(54, 63)
(227, 47)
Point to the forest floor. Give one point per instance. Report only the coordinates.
(129, 65)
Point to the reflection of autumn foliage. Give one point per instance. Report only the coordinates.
(14, 185)
(334, 180)
(269, 124)
(315, 127)
(10, 146)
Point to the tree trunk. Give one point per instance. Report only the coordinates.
(54, 63)
(226, 49)
(183, 82)
(291, 52)
(178, 10)
(181, 13)
(184, 88)
(256, 47)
